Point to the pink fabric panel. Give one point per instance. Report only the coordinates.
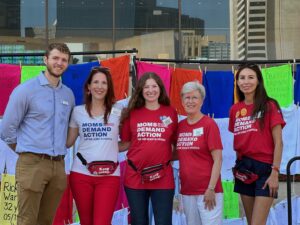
(163, 72)
(10, 76)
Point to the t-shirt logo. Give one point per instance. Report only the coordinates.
(237, 114)
(243, 112)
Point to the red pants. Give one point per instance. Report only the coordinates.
(95, 197)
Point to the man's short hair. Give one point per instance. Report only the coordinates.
(62, 47)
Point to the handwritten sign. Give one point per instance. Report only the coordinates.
(8, 200)
(278, 82)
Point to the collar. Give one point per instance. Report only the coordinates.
(44, 81)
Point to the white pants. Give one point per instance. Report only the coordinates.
(196, 214)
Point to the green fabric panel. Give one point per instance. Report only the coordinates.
(29, 72)
(278, 82)
(231, 208)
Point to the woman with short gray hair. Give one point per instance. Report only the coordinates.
(199, 151)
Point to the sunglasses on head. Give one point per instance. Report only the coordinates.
(100, 69)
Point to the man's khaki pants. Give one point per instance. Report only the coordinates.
(40, 183)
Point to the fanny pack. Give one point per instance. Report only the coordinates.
(244, 175)
(151, 173)
(105, 167)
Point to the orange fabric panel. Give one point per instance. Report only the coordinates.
(178, 79)
(119, 68)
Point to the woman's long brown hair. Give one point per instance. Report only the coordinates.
(110, 95)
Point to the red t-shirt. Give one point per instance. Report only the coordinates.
(249, 139)
(194, 145)
(151, 133)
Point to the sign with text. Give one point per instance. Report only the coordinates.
(8, 200)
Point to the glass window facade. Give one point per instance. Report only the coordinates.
(175, 29)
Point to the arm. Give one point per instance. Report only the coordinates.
(209, 195)
(72, 136)
(14, 114)
(123, 145)
(272, 181)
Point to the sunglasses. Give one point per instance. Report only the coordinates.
(100, 69)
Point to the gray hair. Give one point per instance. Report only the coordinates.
(193, 86)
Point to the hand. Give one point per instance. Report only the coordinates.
(273, 184)
(209, 199)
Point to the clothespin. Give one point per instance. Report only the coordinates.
(208, 114)
(20, 64)
(168, 65)
(205, 69)
(200, 68)
(293, 67)
(125, 95)
(213, 115)
(232, 69)
(174, 67)
(98, 58)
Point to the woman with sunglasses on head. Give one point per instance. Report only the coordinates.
(149, 128)
(256, 122)
(95, 174)
(199, 149)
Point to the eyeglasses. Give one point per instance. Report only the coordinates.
(191, 99)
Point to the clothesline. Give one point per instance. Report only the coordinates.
(191, 61)
(134, 50)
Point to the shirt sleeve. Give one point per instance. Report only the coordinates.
(276, 117)
(231, 121)
(213, 136)
(73, 120)
(13, 116)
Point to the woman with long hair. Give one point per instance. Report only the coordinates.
(95, 174)
(148, 128)
(256, 122)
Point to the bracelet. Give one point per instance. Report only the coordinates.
(275, 168)
(211, 188)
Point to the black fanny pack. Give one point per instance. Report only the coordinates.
(150, 173)
(241, 173)
(105, 167)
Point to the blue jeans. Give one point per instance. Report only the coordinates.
(162, 204)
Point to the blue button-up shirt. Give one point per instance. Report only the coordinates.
(37, 117)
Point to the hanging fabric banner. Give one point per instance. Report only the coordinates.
(9, 79)
(179, 78)
(28, 72)
(163, 72)
(219, 93)
(119, 69)
(278, 81)
(231, 208)
(75, 76)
